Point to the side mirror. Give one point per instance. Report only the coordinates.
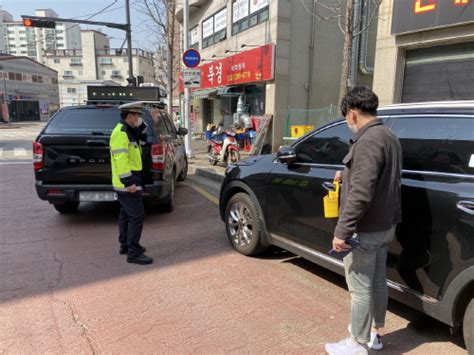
(182, 131)
(287, 155)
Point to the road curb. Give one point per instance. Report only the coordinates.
(209, 174)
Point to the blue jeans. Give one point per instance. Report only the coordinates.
(366, 277)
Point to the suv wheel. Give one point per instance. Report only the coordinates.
(468, 326)
(243, 224)
(66, 207)
(184, 173)
(168, 203)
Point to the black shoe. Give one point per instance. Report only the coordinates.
(141, 259)
(124, 250)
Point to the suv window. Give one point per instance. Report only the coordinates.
(86, 120)
(326, 147)
(161, 125)
(169, 123)
(438, 144)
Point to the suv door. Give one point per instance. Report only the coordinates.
(179, 151)
(166, 139)
(295, 192)
(435, 240)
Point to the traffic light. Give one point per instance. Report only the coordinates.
(28, 22)
(140, 80)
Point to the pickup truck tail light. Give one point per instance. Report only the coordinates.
(38, 155)
(157, 156)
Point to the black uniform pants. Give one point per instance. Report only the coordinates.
(132, 215)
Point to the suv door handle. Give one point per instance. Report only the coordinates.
(466, 206)
(328, 186)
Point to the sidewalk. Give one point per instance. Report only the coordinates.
(199, 165)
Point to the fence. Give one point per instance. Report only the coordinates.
(307, 119)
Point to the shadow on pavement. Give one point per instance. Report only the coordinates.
(421, 328)
(41, 250)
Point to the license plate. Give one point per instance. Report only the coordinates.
(92, 196)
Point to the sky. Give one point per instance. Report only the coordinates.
(141, 35)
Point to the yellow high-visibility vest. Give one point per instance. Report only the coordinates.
(125, 156)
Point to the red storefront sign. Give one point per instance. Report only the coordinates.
(250, 66)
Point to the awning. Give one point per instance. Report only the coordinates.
(204, 94)
(230, 91)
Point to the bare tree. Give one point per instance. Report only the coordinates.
(162, 15)
(351, 26)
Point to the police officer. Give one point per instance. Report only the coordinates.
(125, 149)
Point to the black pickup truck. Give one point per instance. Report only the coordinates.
(71, 157)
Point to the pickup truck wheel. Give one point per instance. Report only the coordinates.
(243, 224)
(168, 203)
(468, 326)
(184, 173)
(66, 207)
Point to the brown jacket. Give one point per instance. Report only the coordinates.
(371, 182)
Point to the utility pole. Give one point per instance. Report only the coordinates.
(187, 106)
(129, 40)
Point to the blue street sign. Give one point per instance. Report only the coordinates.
(191, 58)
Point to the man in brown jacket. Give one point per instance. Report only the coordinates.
(370, 210)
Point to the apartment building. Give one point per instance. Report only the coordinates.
(95, 64)
(275, 55)
(425, 51)
(33, 42)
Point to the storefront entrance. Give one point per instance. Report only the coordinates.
(24, 110)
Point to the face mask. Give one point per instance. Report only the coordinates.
(139, 122)
(353, 128)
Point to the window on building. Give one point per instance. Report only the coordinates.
(194, 38)
(23, 52)
(60, 45)
(18, 77)
(57, 61)
(71, 90)
(23, 39)
(106, 61)
(214, 28)
(59, 39)
(247, 13)
(68, 74)
(76, 61)
(116, 74)
(104, 72)
(12, 45)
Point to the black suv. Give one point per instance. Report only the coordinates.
(72, 159)
(278, 199)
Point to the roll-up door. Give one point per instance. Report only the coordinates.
(439, 73)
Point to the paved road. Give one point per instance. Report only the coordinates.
(15, 142)
(65, 289)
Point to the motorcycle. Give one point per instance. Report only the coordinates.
(223, 147)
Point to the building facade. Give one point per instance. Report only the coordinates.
(29, 88)
(33, 42)
(425, 51)
(276, 56)
(95, 64)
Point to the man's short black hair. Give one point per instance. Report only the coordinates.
(124, 114)
(362, 99)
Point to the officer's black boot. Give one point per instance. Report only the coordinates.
(124, 249)
(140, 259)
